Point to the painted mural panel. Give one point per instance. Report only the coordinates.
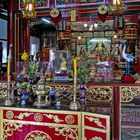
(39, 4)
(71, 3)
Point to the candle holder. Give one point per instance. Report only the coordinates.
(75, 105)
(8, 101)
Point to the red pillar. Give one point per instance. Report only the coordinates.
(11, 31)
(11, 26)
(26, 34)
(138, 59)
(116, 111)
(12, 8)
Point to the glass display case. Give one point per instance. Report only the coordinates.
(104, 72)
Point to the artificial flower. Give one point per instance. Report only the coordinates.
(24, 56)
(31, 68)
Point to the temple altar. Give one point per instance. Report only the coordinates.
(25, 123)
(69, 70)
(102, 99)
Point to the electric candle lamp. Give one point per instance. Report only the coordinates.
(9, 62)
(8, 101)
(75, 67)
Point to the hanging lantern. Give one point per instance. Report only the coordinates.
(117, 7)
(29, 9)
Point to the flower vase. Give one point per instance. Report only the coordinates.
(82, 94)
(23, 98)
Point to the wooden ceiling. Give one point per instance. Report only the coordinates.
(4, 4)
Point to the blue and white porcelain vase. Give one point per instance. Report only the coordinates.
(82, 94)
(24, 96)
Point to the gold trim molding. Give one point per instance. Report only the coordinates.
(54, 117)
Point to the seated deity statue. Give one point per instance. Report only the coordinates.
(100, 48)
(63, 65)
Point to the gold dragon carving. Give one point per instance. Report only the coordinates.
(21, 116)
(93, 93)
(96, 138)
(10, 127)
(66, 131)
(99, 93)
(129, 92)
(54, 117)
(97, 121)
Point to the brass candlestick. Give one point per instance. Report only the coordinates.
(8, 101)
(74, 105)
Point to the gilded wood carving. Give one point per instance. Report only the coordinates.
(129, 92)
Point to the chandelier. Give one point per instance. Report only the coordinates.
(117, 7)
(29, 9)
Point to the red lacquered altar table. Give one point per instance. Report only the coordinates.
(45, 124)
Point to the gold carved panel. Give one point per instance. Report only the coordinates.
(93, 93)
(129, 92)
(99, 93)
(60, 88)
(3, 89)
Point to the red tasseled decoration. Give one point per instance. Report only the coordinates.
(119, 52)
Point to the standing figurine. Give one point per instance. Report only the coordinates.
(128, 57)
(63, 64)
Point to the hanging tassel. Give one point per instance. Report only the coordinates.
(119, 52)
